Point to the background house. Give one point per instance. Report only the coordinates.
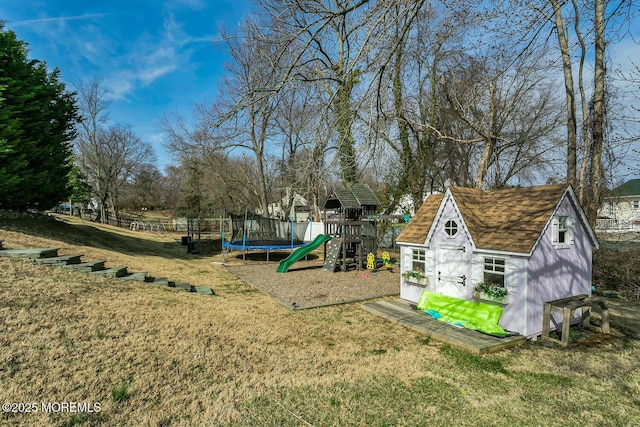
(534, 242)
(288, 207)
(620, 210)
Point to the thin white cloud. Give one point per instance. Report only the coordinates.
(123, 61)
(57, 19)
(150, 60)
(189, 4)
(90, 47)
(119, 85)
(149, 75)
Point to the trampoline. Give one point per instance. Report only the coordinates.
(253, 232)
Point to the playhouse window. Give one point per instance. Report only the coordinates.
(451, 228)
(636, 204)
(562, 232)
(494, 271)
(563, 229)
(418, 257)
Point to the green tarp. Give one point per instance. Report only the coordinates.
(469, 314)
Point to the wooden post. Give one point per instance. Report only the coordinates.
(546, 319)
(566, 324)
(605, 317)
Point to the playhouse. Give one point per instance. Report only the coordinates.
(349, 220)
(517, 248)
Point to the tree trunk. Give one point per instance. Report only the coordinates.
(597, 133)
(569, 93)
(582, 177)
(344, 121)
(490, 140)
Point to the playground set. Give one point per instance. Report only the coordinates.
(350, 232)
(349, 220)
(350, 235)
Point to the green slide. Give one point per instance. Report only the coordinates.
(302, 252)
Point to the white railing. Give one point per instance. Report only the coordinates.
(604, 224)
(137, 225)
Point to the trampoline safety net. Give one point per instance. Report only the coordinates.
(255, 230)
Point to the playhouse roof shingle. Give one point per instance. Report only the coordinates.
(505, 220)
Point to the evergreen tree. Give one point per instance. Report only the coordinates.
(37, 124)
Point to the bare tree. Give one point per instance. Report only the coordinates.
(93, 103)
(109, 157)
(420, 39)
(301, 166)
(512, 112)
(328, 44)
(592, 23)
(204, 179)
(242, 118)
(111, 161)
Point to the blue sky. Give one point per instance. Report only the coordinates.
(156, 56)
(152, 56)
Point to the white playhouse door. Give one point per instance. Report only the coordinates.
(452, 280)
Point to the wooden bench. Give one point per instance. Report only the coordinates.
(567, 306)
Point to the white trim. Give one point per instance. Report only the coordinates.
(422, 252)
(437, 216)
(422, 245)
(569, 231)
(577, 208)
(462, 224)
(453, 247)
(502, 253)
(525, 296)
(504, 266)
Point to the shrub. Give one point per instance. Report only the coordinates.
(616, 270)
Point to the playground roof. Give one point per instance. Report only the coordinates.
(354, 197)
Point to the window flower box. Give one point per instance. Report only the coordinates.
(417, 278)
(491, 292)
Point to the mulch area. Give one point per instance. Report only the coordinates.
(307, 285)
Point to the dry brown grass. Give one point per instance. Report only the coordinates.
(241, 358)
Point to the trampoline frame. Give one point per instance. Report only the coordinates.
(246, 245)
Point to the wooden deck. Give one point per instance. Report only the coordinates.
(404, 313)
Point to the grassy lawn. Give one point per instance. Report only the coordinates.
(155, 356)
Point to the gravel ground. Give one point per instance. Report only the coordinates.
(306, 285)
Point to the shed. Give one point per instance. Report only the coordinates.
(535, 243)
